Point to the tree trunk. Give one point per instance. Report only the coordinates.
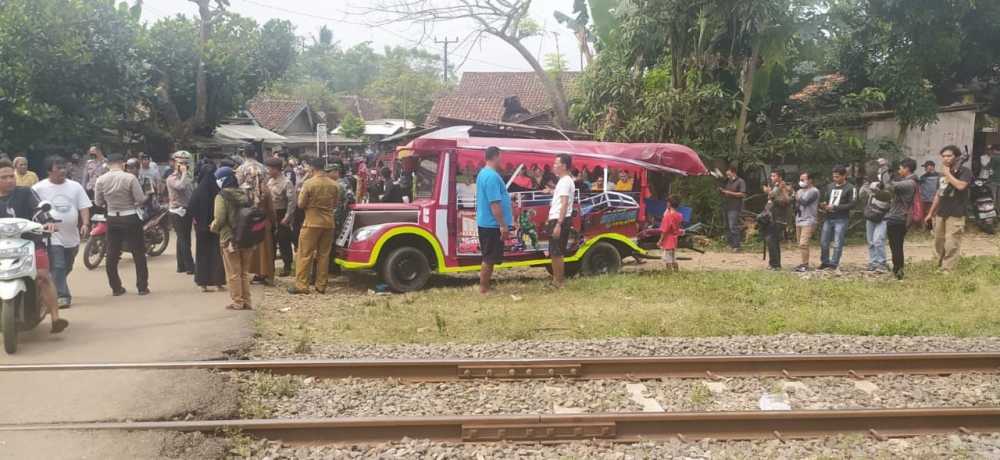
(552, 88)
(747, 96)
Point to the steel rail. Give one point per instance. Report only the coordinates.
(620, 427)
(788, 366)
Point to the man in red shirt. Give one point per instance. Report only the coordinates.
(670, 231)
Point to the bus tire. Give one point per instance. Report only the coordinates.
(405, 269)
(602, 259)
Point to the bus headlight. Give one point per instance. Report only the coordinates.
(364, 233)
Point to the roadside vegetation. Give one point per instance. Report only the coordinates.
(687, 304)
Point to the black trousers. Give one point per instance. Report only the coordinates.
(182, 227)
(897, 235)
(775, 233)
(126, 229)
(283, 239)
(297, 220)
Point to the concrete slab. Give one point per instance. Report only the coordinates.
(175, 322)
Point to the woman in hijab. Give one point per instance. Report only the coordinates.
(236, 260)
(209, 270)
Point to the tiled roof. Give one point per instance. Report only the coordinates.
(820, 86)
(480, 95)
(361, 107)
(273, 113)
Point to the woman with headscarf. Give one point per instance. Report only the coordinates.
(228, 202)
(208, 269)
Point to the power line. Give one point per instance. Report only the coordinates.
(445, 42)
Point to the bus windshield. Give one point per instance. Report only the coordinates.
(425, 177)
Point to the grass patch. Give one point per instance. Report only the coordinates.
(260, 387)
(658, 304)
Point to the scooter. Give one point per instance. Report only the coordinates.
(19, 306)
(155, 231)
(982, 209)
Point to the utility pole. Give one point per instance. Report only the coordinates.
(445, 42)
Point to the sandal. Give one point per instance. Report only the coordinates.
(234, 306)
(59, 325)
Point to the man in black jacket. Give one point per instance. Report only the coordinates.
(837, 200)
(22, 202)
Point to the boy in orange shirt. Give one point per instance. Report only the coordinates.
(671, 230)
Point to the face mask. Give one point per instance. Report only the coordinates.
(802, 184)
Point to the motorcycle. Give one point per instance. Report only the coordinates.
(19, 306)
(155, 232)
(982, 209)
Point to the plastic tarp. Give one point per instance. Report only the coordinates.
(673, 158)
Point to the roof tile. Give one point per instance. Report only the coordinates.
(480, 95)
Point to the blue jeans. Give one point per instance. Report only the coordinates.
(834, 231)
(734, 234)
(875, 235)
(60, 264)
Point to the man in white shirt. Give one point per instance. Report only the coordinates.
(559, 211)
(70, 206)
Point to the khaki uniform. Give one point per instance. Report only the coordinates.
(235, 260)
(948, 233)
(319, 198)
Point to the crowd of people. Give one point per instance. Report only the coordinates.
(892, 202)
(244, 214)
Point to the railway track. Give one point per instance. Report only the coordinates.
(616, 427)
(789, 366)
(624, 427)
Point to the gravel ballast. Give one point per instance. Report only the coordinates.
(643, 346)
(848, 446)
(369, 398)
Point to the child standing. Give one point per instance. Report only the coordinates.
(670, 230)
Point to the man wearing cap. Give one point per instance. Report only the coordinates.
(319, 198)
(96, 166)
(284, 198)
(929, 182)
(120, 193)
(180, 186)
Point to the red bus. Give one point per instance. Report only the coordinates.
(404, 243)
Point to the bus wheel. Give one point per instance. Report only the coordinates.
(602, 259)
(406, 269)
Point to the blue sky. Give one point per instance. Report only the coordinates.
(350, 29)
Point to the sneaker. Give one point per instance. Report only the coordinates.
(774, 269)
(118, 292)
(143, 291)
(297, 291)
(63, 302)
(801, 269)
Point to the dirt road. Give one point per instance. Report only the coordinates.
(175, 322)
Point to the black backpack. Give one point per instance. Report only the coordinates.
(876, 209)
(249, 224)
(251, 227)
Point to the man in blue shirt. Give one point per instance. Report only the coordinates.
(493, 216)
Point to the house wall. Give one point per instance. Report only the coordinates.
(922, 144)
